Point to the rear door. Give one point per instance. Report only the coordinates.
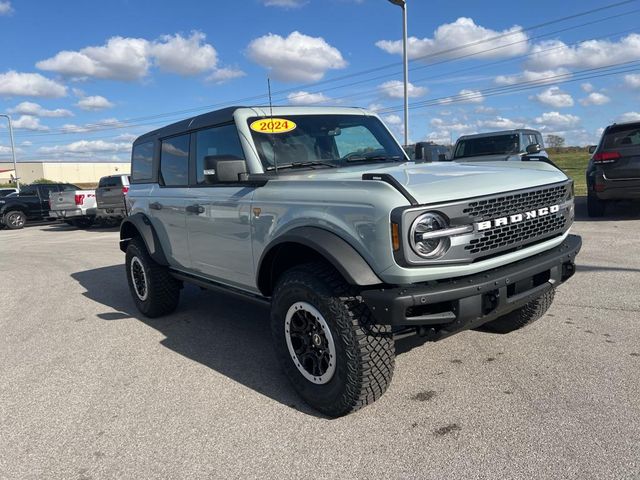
(218, 219)
(625, 141)
(167, 209)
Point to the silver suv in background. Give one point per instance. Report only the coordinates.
(318, 212)
(111, 197)
(519, 144)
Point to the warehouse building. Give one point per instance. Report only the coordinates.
(69, 172)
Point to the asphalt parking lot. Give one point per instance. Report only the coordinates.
(89, 389)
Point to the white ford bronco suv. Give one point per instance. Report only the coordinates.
(319, 212)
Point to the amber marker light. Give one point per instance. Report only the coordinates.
(395, 236)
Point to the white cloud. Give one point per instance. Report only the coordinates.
(595, 98)
(557, 120)
(554, 97)
(28, 122)
(306, 98)
(14, 84)
(395, 89)
(105, 123)
(6, 150)
(463, 31)
(484, 110)
(500, 123)
(93, 103)
(223, 75)
(35, 110)
(464, 96)
(296, 58)
(84, 147)
(129, 59)
(587, 87)
(284, 3)
(126, 137)
(632, 80)
(374, 107)
(543, 77)
(184, 56)
(119, 59)
(5, 8)
(552, 54)
(392, 119)
(629, 117)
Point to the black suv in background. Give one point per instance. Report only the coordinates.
(613, 172)
(31, 203)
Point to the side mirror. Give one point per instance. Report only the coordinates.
(592, 148)
(223, 168)
(533, 149)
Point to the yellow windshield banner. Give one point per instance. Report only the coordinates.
(273, 125)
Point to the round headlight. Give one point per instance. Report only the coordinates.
(431, 247)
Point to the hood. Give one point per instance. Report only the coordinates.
(446, 181)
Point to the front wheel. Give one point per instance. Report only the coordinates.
(15, 220)
(523, 316)
(335, 357)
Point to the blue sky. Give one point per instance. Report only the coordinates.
(82, 79)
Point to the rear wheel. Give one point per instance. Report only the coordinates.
(595, 206)
(154, 291)
(523, 316)
(15, 220)
(335, 357)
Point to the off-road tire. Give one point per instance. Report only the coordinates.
(365, 352)
(163, 290)
(595, 206)
(523, 316)
(21, 219)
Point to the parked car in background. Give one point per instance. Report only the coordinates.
(613, 172)
(500, 146)
(75, 207)
(31, 203)
(111, 197)
(7, 191)
(428, 152)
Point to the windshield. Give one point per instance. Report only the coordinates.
(495, 145)
(322, 140)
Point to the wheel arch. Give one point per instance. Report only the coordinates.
(308, 244)
(140, 226)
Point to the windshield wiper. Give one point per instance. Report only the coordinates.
(302, 165)
(376, 158)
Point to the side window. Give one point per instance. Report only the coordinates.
(539, 140)
(213, 144)
(142, 163)
(174, 161)
(45, 190)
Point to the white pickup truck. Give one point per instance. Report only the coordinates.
(75, 207)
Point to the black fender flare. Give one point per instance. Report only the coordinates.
(140, 225)
(339, 253)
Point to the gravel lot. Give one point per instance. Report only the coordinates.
(90, 390)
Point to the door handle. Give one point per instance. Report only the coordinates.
(155, 206)
(197, 209)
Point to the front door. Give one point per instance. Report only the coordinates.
(218, 214)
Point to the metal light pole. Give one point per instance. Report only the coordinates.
(13, 149)
(403, 4)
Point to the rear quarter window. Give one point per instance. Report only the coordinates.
(142, 163)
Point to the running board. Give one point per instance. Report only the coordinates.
(219, 287)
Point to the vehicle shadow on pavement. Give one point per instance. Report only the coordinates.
(617, 211)
(222, 332)
(63, 227)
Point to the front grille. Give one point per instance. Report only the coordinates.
(518, 233)
(505, 205)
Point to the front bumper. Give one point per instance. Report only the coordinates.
(468, 302)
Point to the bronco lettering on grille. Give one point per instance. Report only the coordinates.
(517, 218)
